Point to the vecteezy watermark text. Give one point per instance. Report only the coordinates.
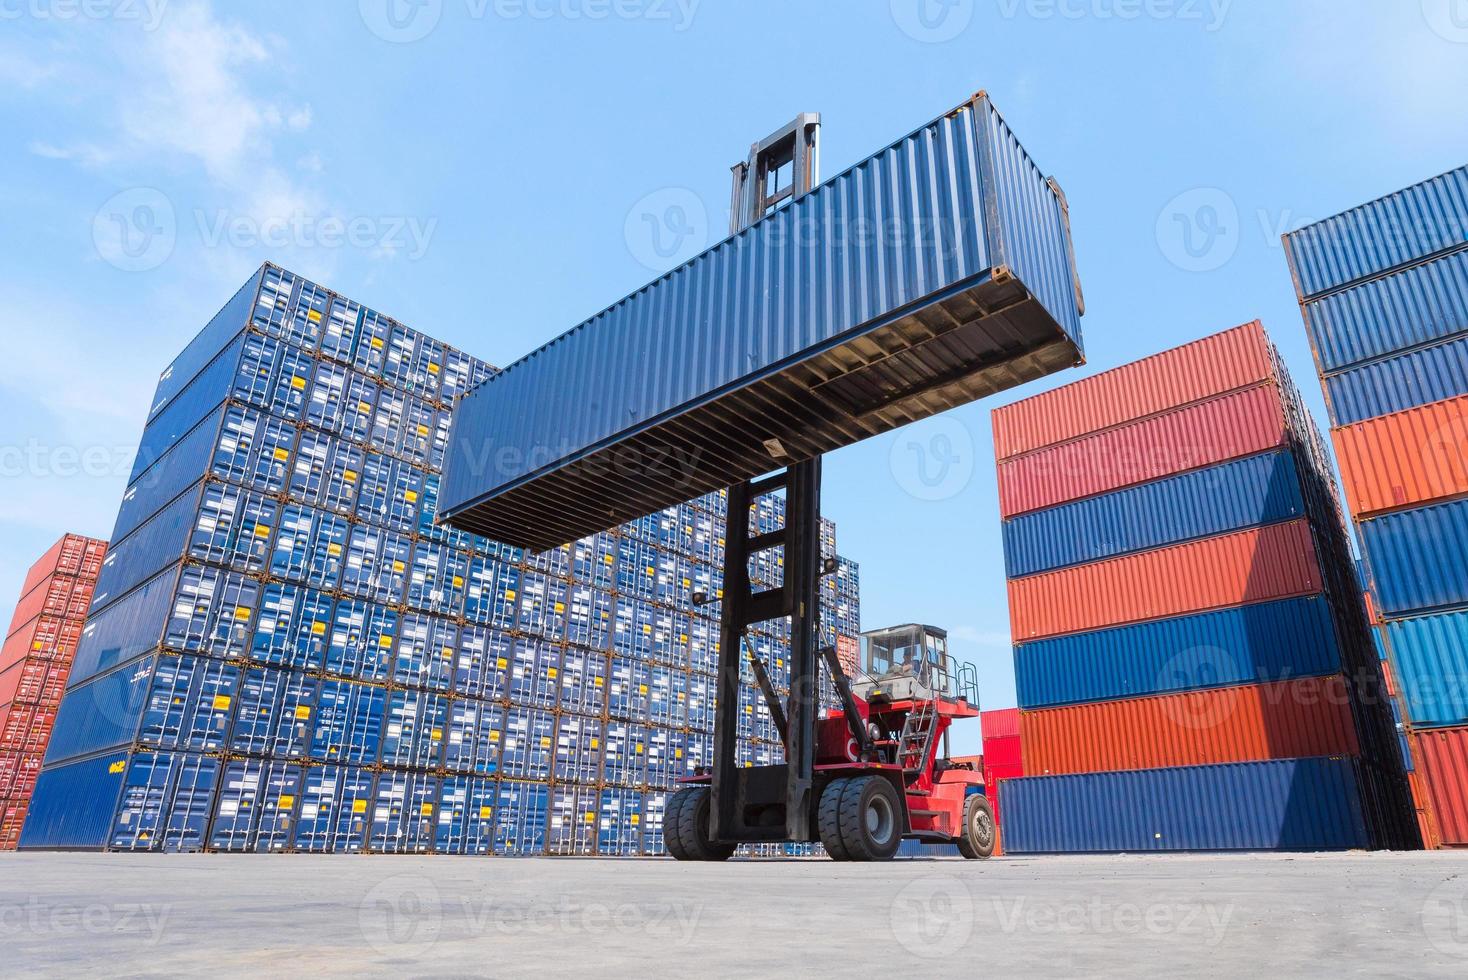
(148, 13)
(138, 229)
(405, 21)
(38, 918)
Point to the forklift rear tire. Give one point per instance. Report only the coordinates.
(871, 819)
(828, 820)
(977, 839)
(687, 817)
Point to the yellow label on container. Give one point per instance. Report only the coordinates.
(350, 476)
(313, 315)
(501, 663)
(591, 818)
(432, 368)
(641, 688)
(377, 343)
(286, 802)
(117, 766)
(494, 736)
(636, 819)
(411, 496)
(303, 711)
(333, 549)
(437, 734)
(241, 612)
(426, 809)
(398, 566)
(262, 530)
(677, 753)
(646, 629)
(639, 748)
(458, 581)
(551, 672)
(282, 454)
(221, 702)
(318, 629)
(359, 806)
(560, 607)
(545, 742)
(510, 594)
(384, 641)
(485, 812)
(364, 407)
(596, 743)
(609, 559)
(599, 682)
(298, 382)
(448, 653)
(422, 430)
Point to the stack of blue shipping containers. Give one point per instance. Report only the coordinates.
(286, 653)
(1383, 289)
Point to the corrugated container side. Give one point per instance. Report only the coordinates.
(1293, 719)
(1246, 493)
(1430, 654)
(1215, 431)
(1267, 641)
(1400, 228)
(216, 335)
(1405, 459)
(1420, 377)
(128, 628)
(1275, 562)
(1422, 305)
(1444, 768)
(1212, 366)
(1418, 558)
(999, 723)
(187, 409)
(100, 714)
(44, 565)
(72, 806)
(1286, 805)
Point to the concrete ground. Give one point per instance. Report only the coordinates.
(126, 915)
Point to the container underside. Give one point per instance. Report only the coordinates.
(981, 339)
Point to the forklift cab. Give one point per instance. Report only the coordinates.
(911, 662)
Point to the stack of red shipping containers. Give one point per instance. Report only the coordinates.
(1181, 595)
(34, 666)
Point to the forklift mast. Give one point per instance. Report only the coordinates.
(780, 168)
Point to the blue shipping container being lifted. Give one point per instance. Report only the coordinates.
(936, 272)
(1391, 232)
(1430, 654)
(1254, 644)
(1246, 493)
(1419, 558)
(1281, 805)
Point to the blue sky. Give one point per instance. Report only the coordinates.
(494, 171)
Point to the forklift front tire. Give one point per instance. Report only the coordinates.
(687, 818)
(871, 818)
(828, 820)
(976, 840)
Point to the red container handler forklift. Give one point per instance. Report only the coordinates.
(881, 771)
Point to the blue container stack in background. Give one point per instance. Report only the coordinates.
(1383, 289)
(286, 653)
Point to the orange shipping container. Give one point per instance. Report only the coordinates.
(1310, 716)
(1406, 458)
(1223, 428)
(1212, 366)
(1257, 565)
(1442, 755)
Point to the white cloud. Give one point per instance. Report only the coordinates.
(86, 154)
